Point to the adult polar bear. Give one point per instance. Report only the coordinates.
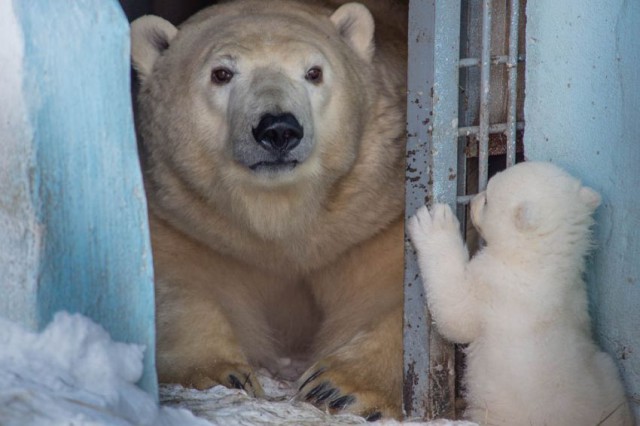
(273, 137)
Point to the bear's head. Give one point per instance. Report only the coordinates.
(250, 100)
(535, 205)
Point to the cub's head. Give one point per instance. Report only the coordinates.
(535, 201)
(253, 95)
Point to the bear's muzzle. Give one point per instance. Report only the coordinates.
(278, 133)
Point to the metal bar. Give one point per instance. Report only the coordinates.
(485, 76)
(512, 83)
(493, 129)
(470, 47)
(444, 157)
(432, 117)
(462, 181)
(495, 60)
(469, 62)
(465, 199)
(416, 328)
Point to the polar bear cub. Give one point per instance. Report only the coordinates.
(521, 302)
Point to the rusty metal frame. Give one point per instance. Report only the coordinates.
(432, 155)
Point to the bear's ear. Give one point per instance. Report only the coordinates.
(150, 36)
(355, 24)
(590, 197)
(525, 217)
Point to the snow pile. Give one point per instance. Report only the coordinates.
(231, 407)
(234, 408)
(74, 374)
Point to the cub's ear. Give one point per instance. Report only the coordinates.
(525, 217)
(150, 36)
(590, 197)
(355, 24)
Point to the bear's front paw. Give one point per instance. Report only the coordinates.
(235, 376)
(334, 389)
(323, 392)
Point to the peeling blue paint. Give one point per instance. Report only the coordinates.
(94, 253)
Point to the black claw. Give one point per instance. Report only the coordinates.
(342, 402)
(247, 380)
(311, 378)
(374, 416)
(328, 394)
(235, 382)
(317, 390)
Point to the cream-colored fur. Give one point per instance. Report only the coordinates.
(253, 266)
(521, 302)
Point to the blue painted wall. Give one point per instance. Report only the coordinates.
(80, 203)
(582, 110)
(19, 231)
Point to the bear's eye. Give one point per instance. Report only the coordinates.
(221, 76)
(314, 75)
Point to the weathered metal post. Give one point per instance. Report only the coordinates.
(432, 128)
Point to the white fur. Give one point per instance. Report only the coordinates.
(147, 32)
(521, 302)
(356, 25)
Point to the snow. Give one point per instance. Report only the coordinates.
(72, 373)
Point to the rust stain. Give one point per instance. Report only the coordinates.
(497, 144)
(410, 382)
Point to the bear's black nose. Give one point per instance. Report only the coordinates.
(278, 133)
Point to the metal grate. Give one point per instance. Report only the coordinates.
(485, 62)
(464, 98)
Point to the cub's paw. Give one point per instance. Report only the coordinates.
(425, 223)
(235, 376)
(335, 390)
(443, 218)
(419, 224)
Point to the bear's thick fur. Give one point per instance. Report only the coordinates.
(272, 139)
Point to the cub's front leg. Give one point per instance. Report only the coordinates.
(443, 260)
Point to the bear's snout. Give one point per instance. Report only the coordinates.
(278, 133)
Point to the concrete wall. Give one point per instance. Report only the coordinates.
(19, 231)
(73, 224)
(582, 111)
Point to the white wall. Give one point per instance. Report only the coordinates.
(582, 111)
(19, 231)
(73, 221)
